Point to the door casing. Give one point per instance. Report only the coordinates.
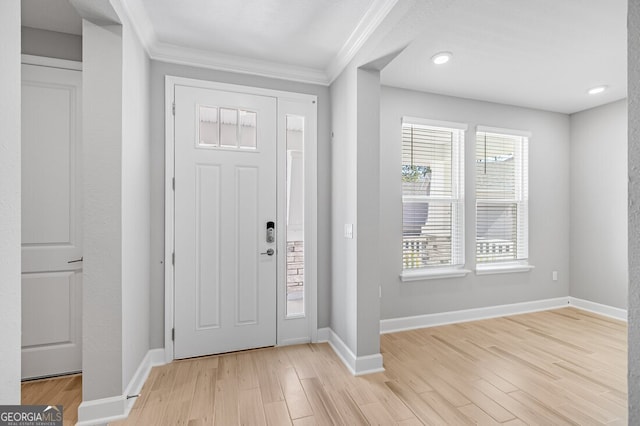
(310, 202)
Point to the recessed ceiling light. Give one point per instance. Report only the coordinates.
(596, 90)
(441, 58)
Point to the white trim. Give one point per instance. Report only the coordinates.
(302, 325)
(45, 61)
(410, 275)
(105, 410)
(357, 366)
(494, 268)
(101, 411)
(137, 16)
(171, 81)
(431, 320)
(323, 335)
(153, 358)
(310, 201)
(374, 16)
(435, 123)
(502, 131)
(169, 203)
(295, 341)
(598, 308)
(218, 61)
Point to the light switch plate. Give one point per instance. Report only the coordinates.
(348, 230)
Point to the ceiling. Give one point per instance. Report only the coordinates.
(303, 33)
(541, 54)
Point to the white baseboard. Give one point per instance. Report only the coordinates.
(431, 320)
(102, 411)
(105, 410)
(358, 366)
(323, 335)
(598, 308)
(443, 318)
(295, 341)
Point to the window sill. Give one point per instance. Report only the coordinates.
(432, 274)
(503, 269)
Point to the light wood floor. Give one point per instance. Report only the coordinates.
(65, 391)
(550, 368)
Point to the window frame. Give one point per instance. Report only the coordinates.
(521, 200)
(457, 202)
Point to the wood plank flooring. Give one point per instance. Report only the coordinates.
(555, 367)
(65, 391)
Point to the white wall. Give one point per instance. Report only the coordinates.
(51, 44)
(102, 266)
(10, 312)
(136, 202)
(633, 61)
(158, 72)
(548, 207)
(117, 205)
(599, 265)
(344, 260)
(368, 220)
(355, 314)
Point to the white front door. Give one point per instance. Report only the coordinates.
(225, 216)
(51, 222)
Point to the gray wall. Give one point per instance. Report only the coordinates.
(599, 269)
(344, 207)
(136, 203)
(548, 207)
(633, 61)
(10, 313)
(51, 44)
(368, 222)
(116, 205)
(102, 158)
(355, 315)
(158, 72)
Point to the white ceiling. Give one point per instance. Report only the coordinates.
(542, 54)
(303, 33)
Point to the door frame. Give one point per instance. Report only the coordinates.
(310, 203)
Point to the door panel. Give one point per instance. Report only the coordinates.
(247, 256)
(225, 193)
(208, 249)
(51, 225)
(51, 336)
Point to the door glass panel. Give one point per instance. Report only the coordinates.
(295, 216)
(228, 127)
(208, 121)
(248, 133)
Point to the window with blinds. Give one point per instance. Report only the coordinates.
(432, 194)
(501, 196)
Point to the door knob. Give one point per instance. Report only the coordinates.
(77, 260)
(269, 252)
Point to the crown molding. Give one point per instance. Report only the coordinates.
(374, 16)
(166, 52)
(206, 59)
(139, 19)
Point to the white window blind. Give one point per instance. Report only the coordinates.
(432, 194)
(501, 196)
